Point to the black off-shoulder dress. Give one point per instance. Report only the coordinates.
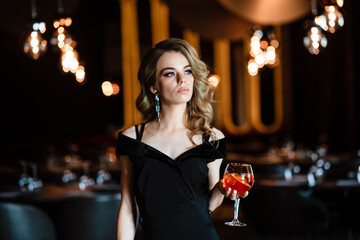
(172, 194)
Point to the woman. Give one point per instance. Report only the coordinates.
(170, 164)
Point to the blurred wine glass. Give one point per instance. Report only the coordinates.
(319, 165)
(291, 170)
(35, 182)
(103, 174)
(322, 150)
(85, 179)
(25, 178)
(29, 182)
(68, 175)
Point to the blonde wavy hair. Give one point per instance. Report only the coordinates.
(199, 111)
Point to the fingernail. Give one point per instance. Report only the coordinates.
(235, 192)
(229, 190)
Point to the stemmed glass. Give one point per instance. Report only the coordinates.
(103, 174)
(68, 174)
(85, 179)
(35, 182)
(25, 178)
(26, 181)
(239, 177)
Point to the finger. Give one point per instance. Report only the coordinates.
(245, 194)
(233, 195)
(227, 193)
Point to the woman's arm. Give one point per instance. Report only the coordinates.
(216, 196)
(126, 226)
(215, 186)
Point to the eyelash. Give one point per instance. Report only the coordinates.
(171, 74)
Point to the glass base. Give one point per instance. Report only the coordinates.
(235, 223)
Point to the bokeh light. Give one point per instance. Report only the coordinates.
(334, 19)
(63, 41)
(315, 40)
(80, 74)
(110, 88)
(214, 80)
(116, 88)
(107, 88)
(252, 67)
(35, 45)
(263, 47)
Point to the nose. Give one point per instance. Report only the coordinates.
(181, 78)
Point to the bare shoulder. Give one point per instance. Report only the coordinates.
(129, 132)
(218, 133)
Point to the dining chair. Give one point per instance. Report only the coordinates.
(24, 222)
(89, 218)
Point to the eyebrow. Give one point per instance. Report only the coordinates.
(170, 68)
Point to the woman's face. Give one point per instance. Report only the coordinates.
(174, 79)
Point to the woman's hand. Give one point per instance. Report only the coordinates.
(228, 192)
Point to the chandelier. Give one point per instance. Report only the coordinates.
(35, 45)
(262, 50)
(331, 20)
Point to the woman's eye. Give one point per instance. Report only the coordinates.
(169, 74)
(187, 72)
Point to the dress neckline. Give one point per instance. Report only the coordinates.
(165, 155)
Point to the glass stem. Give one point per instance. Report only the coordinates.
(236, 207)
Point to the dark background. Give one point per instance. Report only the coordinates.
(42, 106)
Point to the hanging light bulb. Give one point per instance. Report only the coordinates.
(334, 19)
(252, 67)
(69, 60)
(62, 41)
(339, 3)
(331, 20)
(107, 88)
(315, 40)
(60, 36)
(262, 50)
(80, 74)
(110, 88)
(35, 45)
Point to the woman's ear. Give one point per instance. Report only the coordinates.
(153, 90)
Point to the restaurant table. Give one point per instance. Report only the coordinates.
(56, 192)
(77, 214)
(301, 182)
(293, 208)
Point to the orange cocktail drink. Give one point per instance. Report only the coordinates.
(239, 182)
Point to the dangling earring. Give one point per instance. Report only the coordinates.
(157, 107)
